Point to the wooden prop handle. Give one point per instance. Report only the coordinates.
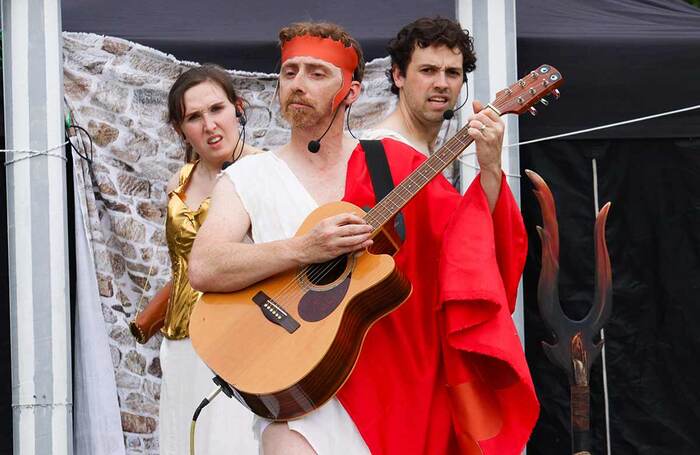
(580, 419)
(152, 318)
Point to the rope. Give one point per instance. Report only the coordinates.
(588, 130)
(35, 153)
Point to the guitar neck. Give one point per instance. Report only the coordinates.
(411, 185)
(516, 99)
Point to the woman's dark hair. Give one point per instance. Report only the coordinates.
(189, 79)
(426, 32)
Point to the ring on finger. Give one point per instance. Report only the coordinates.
(481, 130)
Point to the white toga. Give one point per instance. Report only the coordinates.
(277, 204)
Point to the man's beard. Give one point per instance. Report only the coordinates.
(302, 117)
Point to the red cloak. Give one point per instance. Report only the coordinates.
(445, 373)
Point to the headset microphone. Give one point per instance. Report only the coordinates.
(240, 117)
(449, 113)
(315, 145)
(241, 121)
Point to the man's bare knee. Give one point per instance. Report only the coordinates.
(278, 439)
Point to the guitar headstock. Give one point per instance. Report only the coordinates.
(522, 95)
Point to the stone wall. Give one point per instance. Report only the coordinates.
(117, 90)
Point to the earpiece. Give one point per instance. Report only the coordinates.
(241, 117)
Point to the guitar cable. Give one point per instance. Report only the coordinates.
(222, 386)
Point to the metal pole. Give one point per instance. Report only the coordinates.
(492, 25)
(37, 227)
(606, 397)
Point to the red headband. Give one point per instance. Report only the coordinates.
(328, 50)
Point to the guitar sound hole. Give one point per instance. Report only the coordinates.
(326, 272)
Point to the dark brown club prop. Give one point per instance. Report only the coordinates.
(574, 349)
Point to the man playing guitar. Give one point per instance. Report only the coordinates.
(442, 373)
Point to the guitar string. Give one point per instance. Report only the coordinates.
(323, 272)
(288, 289)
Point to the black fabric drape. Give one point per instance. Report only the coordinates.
(241, 35)
(653, 235)
(621, 59)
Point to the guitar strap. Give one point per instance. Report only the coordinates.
(380, 175)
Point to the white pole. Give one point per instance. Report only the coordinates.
(37, 223)
(594, 166)
(492, 24)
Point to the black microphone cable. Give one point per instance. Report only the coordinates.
(449, 113)
(315, 145)
(222, 386)
(242, 121)
(347, 122)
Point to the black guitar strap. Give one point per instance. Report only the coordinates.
(378, 167)
(380, 175)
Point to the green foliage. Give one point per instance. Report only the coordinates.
(694, 2)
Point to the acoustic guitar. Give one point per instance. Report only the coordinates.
(288, 343)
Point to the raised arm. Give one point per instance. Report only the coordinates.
(486, 127)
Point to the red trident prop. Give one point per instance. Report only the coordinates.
(574, 349)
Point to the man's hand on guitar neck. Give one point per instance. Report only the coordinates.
(333, 237)
(486, 128)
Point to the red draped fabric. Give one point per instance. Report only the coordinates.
(445, 373)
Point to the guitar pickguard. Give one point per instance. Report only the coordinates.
(316, 305)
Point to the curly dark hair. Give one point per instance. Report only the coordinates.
(326, 30)
(425, 32)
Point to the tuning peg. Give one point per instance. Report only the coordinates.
(556, 93)
(533, 111)
(544, 102)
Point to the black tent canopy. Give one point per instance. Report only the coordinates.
(622, 59)
(242, 35)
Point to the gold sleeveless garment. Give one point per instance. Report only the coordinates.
(181, 227)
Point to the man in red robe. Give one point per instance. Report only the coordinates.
(445, 372)
(430, 59)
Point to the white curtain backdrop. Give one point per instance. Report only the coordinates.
(117, 90)
(97, 428)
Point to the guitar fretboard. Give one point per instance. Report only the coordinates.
(411, 185)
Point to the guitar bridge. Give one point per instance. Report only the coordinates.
(274, 313)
